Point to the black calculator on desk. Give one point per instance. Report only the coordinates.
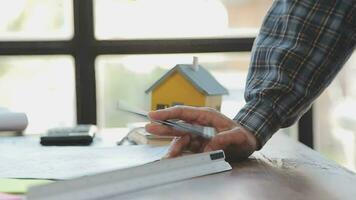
(69, 136)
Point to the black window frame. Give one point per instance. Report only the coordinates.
(84, 48)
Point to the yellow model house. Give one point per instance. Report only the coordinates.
(186, 84)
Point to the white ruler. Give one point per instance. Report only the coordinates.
(122, 181)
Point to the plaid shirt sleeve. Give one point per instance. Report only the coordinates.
(301, 46)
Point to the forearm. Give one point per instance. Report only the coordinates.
(299, 50)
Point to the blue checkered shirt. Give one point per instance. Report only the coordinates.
(301, 46)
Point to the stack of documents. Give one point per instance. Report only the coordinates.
(116, 183)
(23, 166)
(69, 162)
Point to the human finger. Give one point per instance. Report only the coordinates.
(199, 115)
(177, 146)
(196, 144)
(159, 129)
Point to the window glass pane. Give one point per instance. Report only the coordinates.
(41, 86)
(127, 77)
(36, 19)
(178, 18)
(335, 118)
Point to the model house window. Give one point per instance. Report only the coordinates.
(161, 106)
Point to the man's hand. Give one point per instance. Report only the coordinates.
(237, 142)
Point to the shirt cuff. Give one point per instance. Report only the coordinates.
(260, 118)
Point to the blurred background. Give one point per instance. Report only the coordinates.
(69, 61)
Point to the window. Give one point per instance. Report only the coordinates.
(335, 118)
(40, 86)
(37, 72)
(157, 19)
(36, 20)
(127, 77)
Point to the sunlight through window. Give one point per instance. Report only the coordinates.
(142, 19)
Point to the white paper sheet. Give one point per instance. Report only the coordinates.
(70, 162)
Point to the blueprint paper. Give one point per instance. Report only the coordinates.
(70, 162)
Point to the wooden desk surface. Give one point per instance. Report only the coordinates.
(283, 169)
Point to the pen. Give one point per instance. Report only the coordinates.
(203, 131)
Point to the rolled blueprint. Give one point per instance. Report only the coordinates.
(13, 121)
